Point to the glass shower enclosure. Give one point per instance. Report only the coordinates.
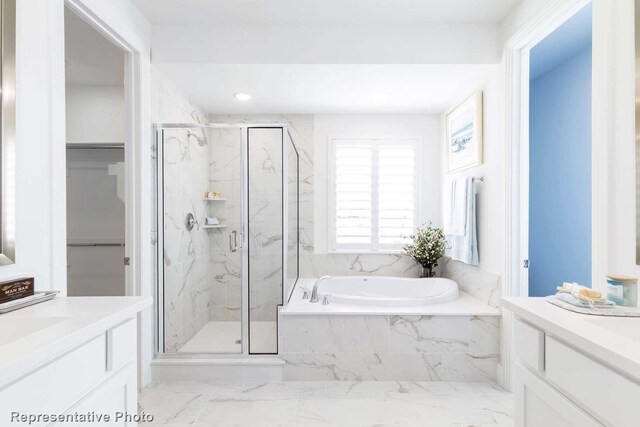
(228, 241)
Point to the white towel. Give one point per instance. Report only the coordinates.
(573, 300)
(465, 247)
(457, 217)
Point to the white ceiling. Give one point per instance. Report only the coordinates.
(326, 56)
(90, 58)
(295, 88)
(324, 12)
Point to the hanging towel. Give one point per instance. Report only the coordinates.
(465, 247)
(457, 217)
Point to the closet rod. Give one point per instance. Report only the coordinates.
(98, 146)
(82, 245)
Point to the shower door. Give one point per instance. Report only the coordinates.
(201, 198)
(267, 233)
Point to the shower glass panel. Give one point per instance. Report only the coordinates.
(293, 220)
(202, 240)
(265, 149)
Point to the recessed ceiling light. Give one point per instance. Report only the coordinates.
(242, 96)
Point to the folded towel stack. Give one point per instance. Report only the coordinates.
(581, 296)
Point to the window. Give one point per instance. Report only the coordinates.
(372, 192)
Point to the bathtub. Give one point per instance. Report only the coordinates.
(388, 291)
(385, 296)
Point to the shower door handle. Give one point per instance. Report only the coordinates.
(233, 241)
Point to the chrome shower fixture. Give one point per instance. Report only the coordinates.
(202, 140)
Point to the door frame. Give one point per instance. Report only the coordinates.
(518, 64)
(516, 58)
(138, 166)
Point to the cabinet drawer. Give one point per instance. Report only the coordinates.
(57, 385)
(540, 405)
(117, 395)
(605, 393)
(121, 344)
(529, 345)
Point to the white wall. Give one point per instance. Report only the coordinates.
(423, 127)
(491, 192)
(339, 44)
(95, 114)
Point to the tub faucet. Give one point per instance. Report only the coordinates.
(314, 292)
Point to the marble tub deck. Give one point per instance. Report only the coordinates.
(335, 403)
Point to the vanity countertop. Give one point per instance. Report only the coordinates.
(34, 335)
(613, 340)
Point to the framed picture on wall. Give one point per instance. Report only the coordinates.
(464, 134)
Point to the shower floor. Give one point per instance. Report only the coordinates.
(225, 337)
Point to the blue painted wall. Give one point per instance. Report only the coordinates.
(560, 170)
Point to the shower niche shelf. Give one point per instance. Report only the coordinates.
(215, 200)
(215, 226)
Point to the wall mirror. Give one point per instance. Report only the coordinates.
(7, 131)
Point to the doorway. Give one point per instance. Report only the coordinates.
(559, 234)
(95, 161)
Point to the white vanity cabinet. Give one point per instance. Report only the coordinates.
(97, 376)
(559, 385)
(84, 366)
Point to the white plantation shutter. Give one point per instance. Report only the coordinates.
(396, 192)
(373, 199)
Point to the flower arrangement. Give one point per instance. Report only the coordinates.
(426, 247)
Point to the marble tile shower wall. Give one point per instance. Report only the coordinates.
(390, 348)
(186, 254)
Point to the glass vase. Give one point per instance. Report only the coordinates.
(427, 271)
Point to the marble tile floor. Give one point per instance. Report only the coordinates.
(225, 337)
(332, 403)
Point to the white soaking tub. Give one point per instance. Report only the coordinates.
(388, 291)
(385, 296)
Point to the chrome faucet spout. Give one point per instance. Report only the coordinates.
(314, 292)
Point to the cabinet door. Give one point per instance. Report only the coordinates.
(540, 405)
(117, 397)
